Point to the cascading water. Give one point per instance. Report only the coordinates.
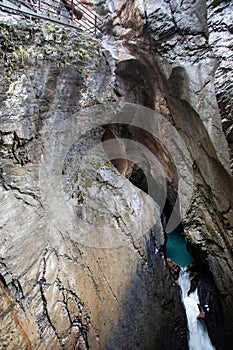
(177, 251)
(198, 335)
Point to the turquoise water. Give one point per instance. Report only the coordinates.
(176, 249)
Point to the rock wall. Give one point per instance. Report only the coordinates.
(65, 283)
(220, 39)
(187, 47)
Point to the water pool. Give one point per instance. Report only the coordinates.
(176, 249)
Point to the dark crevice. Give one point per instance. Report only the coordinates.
(2, 279)
(138, 178)
(143, 178)
(208, 295)
(45, 317)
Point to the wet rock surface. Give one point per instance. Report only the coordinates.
(161, 54)
(67, 286)
(189, 58)
(210, 303)
(174, 268)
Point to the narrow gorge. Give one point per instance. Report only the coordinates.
(116, 160)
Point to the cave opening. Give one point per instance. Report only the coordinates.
(146, 91)
(176, 247)
(190, 272)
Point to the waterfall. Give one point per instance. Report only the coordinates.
(198, 335)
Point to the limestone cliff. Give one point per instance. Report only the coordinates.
(65, 283)
(186, 50)
(64, 286)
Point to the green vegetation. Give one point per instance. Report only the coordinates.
(88, 182)
(51, 27)
(80, 198)
(96, 165)
(44, 42)
(21, 54)
(82, 54)
(12, 52)
(4, 37)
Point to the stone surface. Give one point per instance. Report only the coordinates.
(220, 21)
(160, 54)
(67, 286)
(187, 48)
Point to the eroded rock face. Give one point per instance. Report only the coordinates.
(60, 291)
(220, 39)
(65, 284)
(182, 43)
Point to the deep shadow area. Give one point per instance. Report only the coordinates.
(165, 196)
(138, 178)
(152, 295)
(137, 83)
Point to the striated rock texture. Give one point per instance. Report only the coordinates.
(65, 284)
(220, 21)
(186, 52)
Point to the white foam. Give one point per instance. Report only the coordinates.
(198, 335)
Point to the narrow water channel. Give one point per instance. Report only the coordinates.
(177, 251)
(198, 335)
